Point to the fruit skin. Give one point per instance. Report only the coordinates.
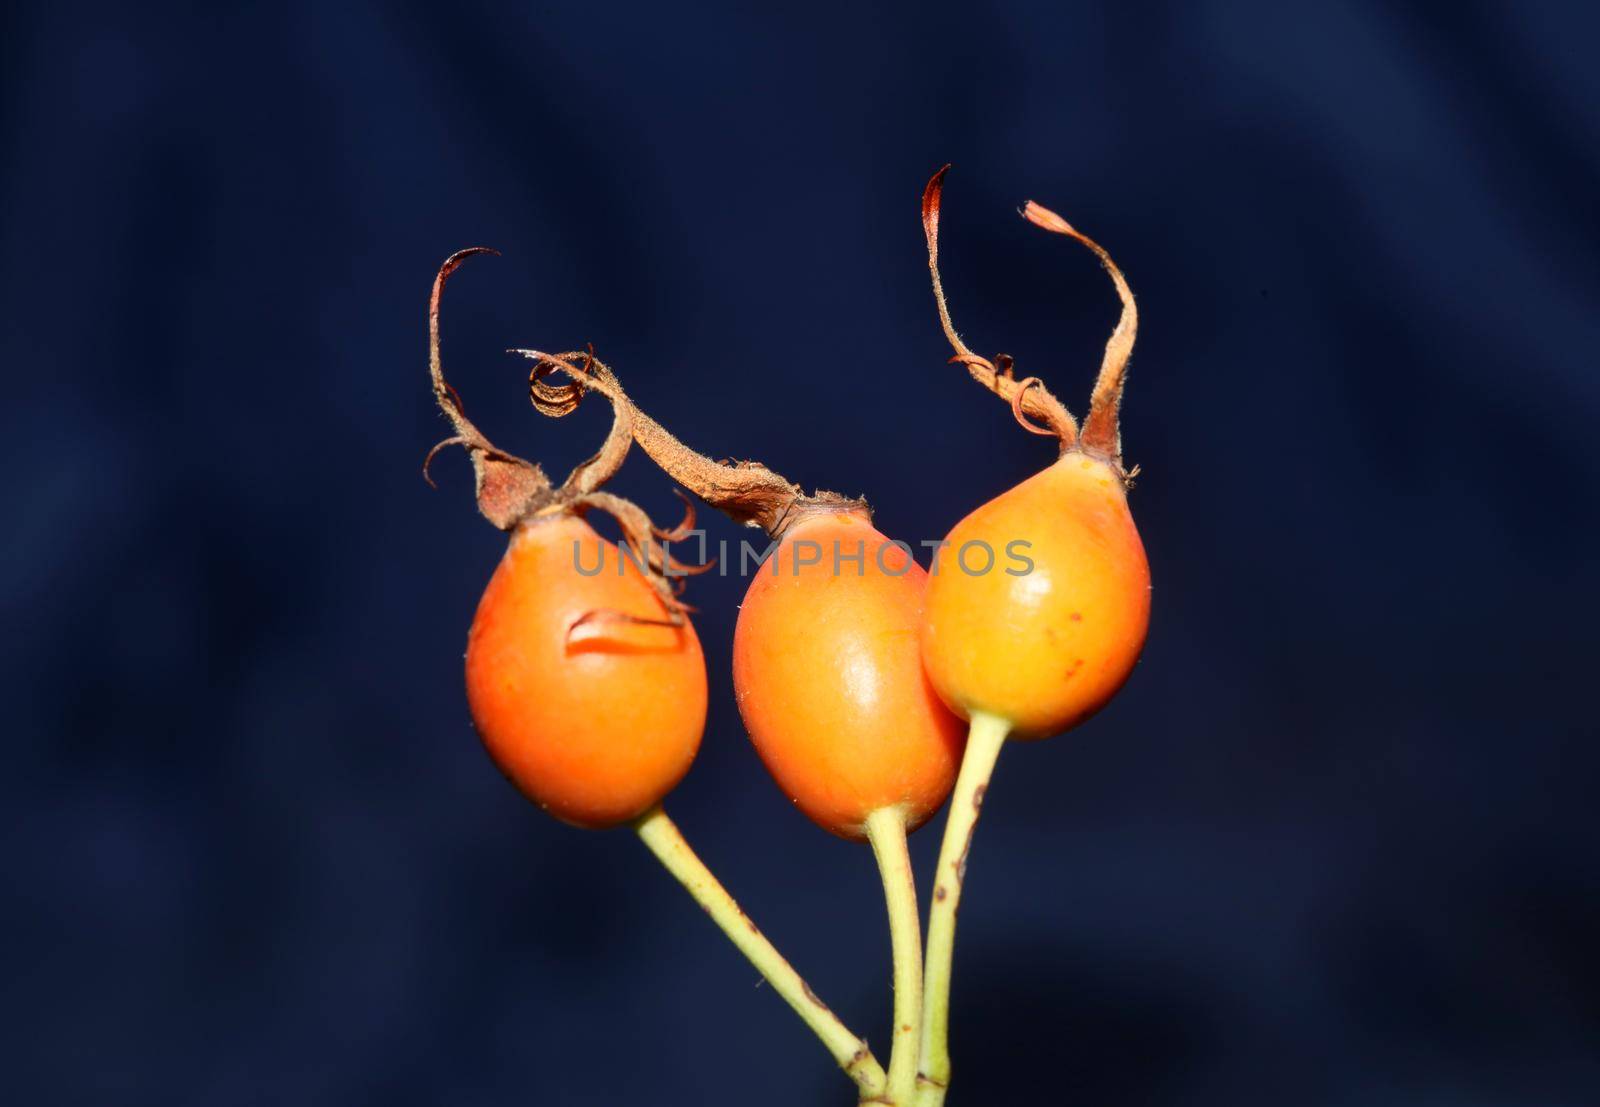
(829, 678)
(1047, 649)
(595, 730)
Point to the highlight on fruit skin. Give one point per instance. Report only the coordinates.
(827, 668)
(585, 678)
(1044, 649)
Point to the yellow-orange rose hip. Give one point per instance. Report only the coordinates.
(1034, 644)
(1044, 639)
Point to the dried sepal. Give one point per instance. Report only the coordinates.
(645, 538)
(512, 491)
(746, 491)
(664, 572)
(1101, 435)
(1021, 416)
(684, 527)
(591, 474)
(554, 400)
(508, 487)
(1033, 400)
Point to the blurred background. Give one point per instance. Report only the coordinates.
(1334, 844)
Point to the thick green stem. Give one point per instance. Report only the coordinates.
(662, 836)
(984, 740)
(886, 830)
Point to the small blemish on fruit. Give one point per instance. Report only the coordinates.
(1077, 616)
(939, 892)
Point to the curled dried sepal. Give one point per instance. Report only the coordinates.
(664, 572)
(746, 491)
(643, 537)
(1022, 416)
(684, 528)
(508, 488)
(512, 491)
(1101, 435)
(591, 474)
(1027, 400)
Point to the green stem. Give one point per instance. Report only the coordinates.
(984, 740)
(662, 836)
(886, 830)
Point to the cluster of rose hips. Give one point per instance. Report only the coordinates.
(872, 695)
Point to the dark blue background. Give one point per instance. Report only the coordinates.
(1336, 842)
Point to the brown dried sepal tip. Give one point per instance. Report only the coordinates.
(746, 491)
(1029, 399)
(512, 491)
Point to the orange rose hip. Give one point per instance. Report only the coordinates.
(829, 680)
(595, 726)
